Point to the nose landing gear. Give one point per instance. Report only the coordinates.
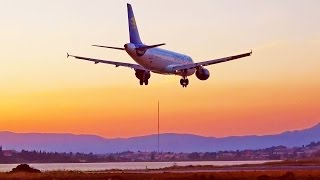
(184, 82)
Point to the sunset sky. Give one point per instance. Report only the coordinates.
(274, 90)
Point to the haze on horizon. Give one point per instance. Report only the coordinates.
(274, 90)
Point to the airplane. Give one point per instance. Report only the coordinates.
(151, 58)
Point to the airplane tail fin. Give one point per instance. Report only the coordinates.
(133, 28)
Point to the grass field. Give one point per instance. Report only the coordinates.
(188, 173)
(155, 176)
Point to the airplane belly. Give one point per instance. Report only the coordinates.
(161, 63)
(145, 60)
(154, 62)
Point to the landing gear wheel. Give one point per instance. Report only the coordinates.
(187, 82)
(146, 82)
(181, 81)
(184, 82)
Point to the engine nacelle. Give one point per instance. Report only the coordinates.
(202, 74)
(140, 74)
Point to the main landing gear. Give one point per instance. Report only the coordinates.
(146, 82)
(184, 82)
(143, 76)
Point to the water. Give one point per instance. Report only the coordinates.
(123, 165)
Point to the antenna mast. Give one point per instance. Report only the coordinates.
(158, 126)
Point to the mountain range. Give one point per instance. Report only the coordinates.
(169, 142)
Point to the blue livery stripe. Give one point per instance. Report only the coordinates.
(133, 28)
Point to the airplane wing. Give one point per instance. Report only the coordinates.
(117, 64)
(210, 62)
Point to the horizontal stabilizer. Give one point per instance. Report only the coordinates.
(143, 48)
(109, 47)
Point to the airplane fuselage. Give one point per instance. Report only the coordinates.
(159, 60)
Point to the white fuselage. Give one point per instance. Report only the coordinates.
(160, 61)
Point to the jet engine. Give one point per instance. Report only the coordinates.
(202, 74)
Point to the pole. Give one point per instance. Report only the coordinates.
(158, 126)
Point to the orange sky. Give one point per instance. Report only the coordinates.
(229, 110)
(275, 90)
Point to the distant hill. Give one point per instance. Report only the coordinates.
(168, 142)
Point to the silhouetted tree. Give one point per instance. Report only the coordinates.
(1, 153)
(194, 156)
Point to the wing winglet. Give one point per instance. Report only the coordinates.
(70, 55)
